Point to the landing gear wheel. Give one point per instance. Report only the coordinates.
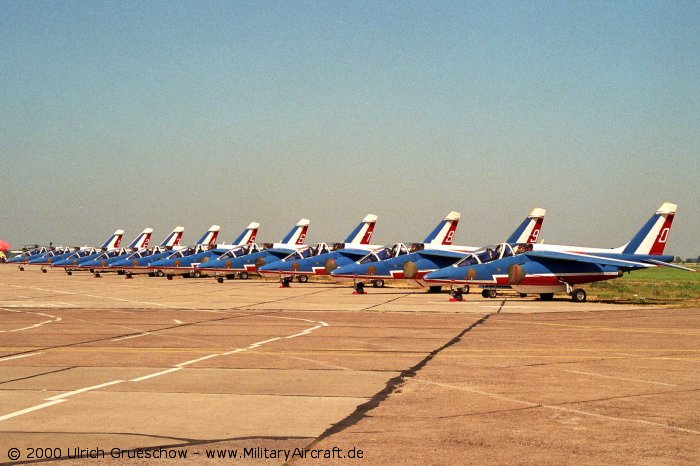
(129, 275)
(243, 275)
(546, 296)
(578, 295)
(160, 273)
(43, 270)
(434, 289)
(302, 278)
(97, 275)
(523, 295)
(69, 272)
(197, 274)
(230, 276)
(378, 283)
(21, 268)
(169, 276)
(493, 293)
(120, 272)
(285, 281)
(151, 274)
(465, 289)
(220, 279)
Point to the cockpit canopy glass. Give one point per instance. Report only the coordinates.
(491, 253)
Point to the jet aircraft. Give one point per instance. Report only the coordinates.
(142, 264)
(415, 260)
(246, 259)
(111, 243)
(99, 258)
(182, 263)
(317, 260)
(547, 269)
(115, 264)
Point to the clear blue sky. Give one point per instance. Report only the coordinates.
(132, 114)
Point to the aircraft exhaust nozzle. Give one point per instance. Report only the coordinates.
(516, 274)
(410, 269)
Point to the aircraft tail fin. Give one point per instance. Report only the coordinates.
(114, 241)
(248, 235)
(209, 238)
(529, 230)
(652, 237)
(444, 232)
(362, 234)
(297, 235)
(142, 240)
(174, 238)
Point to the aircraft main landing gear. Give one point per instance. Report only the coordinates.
(489, 293)
(578, 295)
(302, 278)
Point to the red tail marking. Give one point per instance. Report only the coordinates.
(302, 236)
(368, 234)
(450, 233)
(535, 231)
(253, 234)
(660, 242)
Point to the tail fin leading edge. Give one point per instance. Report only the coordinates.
(529, 230)
(651, 238)
(174, 238)
(444, 232)
(297, 235)
(209, 238)
(141, 241)
(248, 235)
(362, 234)
(114, 241)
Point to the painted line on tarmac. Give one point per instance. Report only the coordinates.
(177, 321)
(54, 319)
(106, 297)
(255, 345)
(156, 374)
(657, 331)
(621, 378)
(29, 410)
(83, 390)
(18, 356)
(132, 336)
(559, 408)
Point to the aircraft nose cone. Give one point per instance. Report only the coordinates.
(441, 274)
(351, 269)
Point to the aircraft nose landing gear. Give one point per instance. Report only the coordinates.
(285, 281)
(456, 295)
(359, 288)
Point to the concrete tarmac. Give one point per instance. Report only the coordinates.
(115, 367)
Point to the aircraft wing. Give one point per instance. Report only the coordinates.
(589, 259)
(666, 264)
